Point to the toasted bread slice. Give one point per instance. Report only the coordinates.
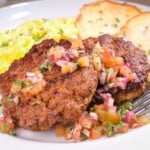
(137, 30)
(102, 17)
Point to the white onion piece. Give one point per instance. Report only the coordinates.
(86, 132)
(1, 97)
(93, 116)
(122, 82)
(30, 74)
(102, 77)
(60, 63)
(1, 112)
(73, 53)
(110, 73)
(128, 117)
(108, 100)
(112, 52)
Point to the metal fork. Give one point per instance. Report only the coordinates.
(141, 105)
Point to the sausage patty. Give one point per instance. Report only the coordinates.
(63, 98)
(133, 56)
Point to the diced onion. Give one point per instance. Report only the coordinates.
(110, 74)
(129, 117)
(108, 100)
(61, 62)
(1, 112)
(93, 116)
(73, 53)
(1, 97)
(122, 82)
(86, 132)
(102, 77)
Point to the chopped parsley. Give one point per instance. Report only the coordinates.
(149, 52)
(128, 105)
(90, 21)
(45, 66)
(12, 132)
(100, 11)
(99, 129)
(117, 20)
(9, 98)
(4, 44)
(84, 137)
(61, 32)
(122, 110)
(20, 83)
(115, 25)
(107, 71)
(101, 32)
(39, 37)
(148, 83)
(4, 128)
(109, 129)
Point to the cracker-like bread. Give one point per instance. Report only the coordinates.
(137, 30)
(102, 17)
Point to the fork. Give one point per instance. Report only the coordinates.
(141, 105)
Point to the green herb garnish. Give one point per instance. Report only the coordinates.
(4, 44)
(100, 11)
(4, 128)
(109, 128)
(20, 83)
(117, 20)
(128, 105)
(107, 71)
(9, 98)
(115, 25)
(12, 132)
(90, 21)
(61, 32)
(84, 137)
(148, 83)
(101, 32)
(122, 110)
(45, 66)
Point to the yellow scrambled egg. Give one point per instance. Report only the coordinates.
(15, 43)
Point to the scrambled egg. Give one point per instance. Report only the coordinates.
(15, 43)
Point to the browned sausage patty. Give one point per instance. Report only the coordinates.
(63, 99)
(132, 55)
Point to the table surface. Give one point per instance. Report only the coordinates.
(145, 2)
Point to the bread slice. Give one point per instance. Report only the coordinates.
(137, 30)
(104, 16)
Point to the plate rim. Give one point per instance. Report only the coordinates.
(59, 145)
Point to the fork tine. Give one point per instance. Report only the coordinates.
(141, 99)
(141, 105)
(143, 112)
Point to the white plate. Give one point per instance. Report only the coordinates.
(14, 15)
